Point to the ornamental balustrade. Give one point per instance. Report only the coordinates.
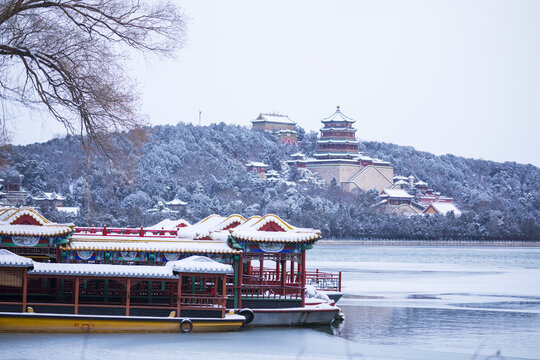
(104, 231)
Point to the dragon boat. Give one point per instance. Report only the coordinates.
(268, 283)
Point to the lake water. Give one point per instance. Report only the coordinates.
(400, 303)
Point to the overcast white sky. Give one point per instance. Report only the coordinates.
(460, 77)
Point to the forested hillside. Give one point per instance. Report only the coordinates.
(204, 167)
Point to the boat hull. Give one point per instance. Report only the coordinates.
(31, 322)
(306, 316)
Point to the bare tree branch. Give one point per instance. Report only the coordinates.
(67, 56)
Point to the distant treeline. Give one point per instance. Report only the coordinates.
(203, 165)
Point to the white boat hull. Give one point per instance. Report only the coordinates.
(303, 316)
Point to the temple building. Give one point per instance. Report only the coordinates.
(277, 123)
(337, 157)
(258, 166)
(409, 197)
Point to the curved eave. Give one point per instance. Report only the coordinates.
(180, 251)
(30, 233)
(340, 129)
(273, 240)
(337, 141)
(326, 121)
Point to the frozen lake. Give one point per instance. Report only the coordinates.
(400, 303)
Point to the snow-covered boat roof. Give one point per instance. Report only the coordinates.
(177, 246)
(209, 225)
(105, 270)
(338, 116)
(10, 215)
(271, 228)
(192, 264)
(9, 259)
(35, 230)
(273, 118)
(169, 224)
(199, 264)
(44, 227)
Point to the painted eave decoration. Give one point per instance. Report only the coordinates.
(271, 228)
(188, 246)
(33, 230)
(12, 225)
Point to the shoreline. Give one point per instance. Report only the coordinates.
(395, 242)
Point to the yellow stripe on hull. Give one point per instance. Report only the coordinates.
(84, 325)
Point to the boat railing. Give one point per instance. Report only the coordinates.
(104, 231)
(325, 281)
(257, 287)
(322, 280)
(186, 302)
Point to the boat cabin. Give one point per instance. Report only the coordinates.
(193, 287)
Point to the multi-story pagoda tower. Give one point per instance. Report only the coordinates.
(338, 161)
(338, 138)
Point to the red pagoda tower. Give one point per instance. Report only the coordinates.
(338, 138)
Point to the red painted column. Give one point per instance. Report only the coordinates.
(292, 272)
(178, 295)
(25, 289)
(128, 295)
(261, 267)
(76, 295)
(283, 275)
(240, 279)
(303, 288)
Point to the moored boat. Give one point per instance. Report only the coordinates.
(33, 322)
(180, 296)
(266, 257)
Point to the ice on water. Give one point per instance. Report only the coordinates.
(400, 303)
